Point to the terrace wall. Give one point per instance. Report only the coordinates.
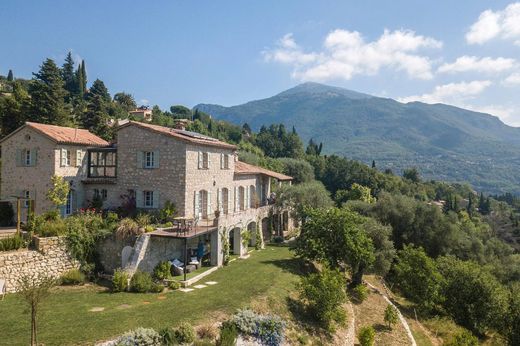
(50, 258)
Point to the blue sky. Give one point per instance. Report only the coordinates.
(228, 52)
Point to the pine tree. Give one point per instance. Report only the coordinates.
(246, 128)
(98, 88)
(67, 73)
(10, 76)
(95, 119)
(14, 109)
(48, 96)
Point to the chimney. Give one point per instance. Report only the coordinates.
(180, 124)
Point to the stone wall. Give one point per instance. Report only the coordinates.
(109, 252)
(50, 258)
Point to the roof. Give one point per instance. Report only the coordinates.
(242, 168)
(64, 135)
(187, 136)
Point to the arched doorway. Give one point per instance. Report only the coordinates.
(266, 232)
(251, 228)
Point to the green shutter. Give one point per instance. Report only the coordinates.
(140, 159)
(156, 199)
(156, 156)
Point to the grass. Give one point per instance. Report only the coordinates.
(65, 317)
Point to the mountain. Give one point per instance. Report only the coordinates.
(444, 142)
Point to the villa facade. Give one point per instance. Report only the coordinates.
(149, 165)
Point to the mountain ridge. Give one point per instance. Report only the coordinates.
(445, 142)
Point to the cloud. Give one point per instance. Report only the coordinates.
(513, 79)
(504, 24)
(472, 63)
(346, 54)
(452, 93)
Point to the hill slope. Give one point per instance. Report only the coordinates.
(445, 142)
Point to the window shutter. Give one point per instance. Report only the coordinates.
(156, 199)
(196, 204)
(221, 161)
(210, 209)
(228, 157)
(209, 160)
(219, 200)
(156, 159)
(229, 201)
(236, 199)
(63, 158)
(18, 157)
(34, 157)
(200, 159)
(79, 158)
(140, 155)
(138, 198)
(248, 199)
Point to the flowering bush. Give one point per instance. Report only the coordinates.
(267, 329)
(140, 337)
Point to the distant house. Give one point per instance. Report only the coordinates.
(150, 165)
(142, 113)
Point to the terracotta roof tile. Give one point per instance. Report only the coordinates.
(68, 135)
(182, 135)
(242, 168)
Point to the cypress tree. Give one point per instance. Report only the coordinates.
(319, 148)
(470, 205)
(48, 96)
(10, 76)
(83, 77)
(373, 164)
(67, 73)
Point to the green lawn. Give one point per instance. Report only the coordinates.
(65, 317)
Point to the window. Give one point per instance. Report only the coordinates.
(148, 199)
(102, 163)
(68, 205)
(65, 157)
(224, 161)
(149, 159)
(204, 160)
(103, 194)
(79, 158)
(27, 157)
(27, 201)
(68, 158)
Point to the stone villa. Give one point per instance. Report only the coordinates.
(150, 165)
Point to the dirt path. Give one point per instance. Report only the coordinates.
(401, 318)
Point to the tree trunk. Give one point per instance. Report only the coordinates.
(357, 275)
(33, 326)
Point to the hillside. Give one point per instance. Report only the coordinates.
(445, 142)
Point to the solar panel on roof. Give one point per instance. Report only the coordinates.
(196, 135)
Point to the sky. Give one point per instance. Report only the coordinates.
(464, 53)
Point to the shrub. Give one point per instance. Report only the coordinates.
(14, 242)
(127, 228)
(148, 229)
(174, 285)
(73, 277)
(6, 214)
(228, 334)
(143, 220)
(120, 281)
(167, 213)
(366, 336)
(464, 338)
(360, 293)
(168, 224)
(111, 219)
(141, 282)
(267, 329)
(140, 337)
(277, 239)
(168, 336)
(52, 228)
(157, 288)
(207, 331)
(391, 315)
(324, 293)
(162, 270)
(184, 333)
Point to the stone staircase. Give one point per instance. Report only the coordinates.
(140, 247)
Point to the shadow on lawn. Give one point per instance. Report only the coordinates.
(294, 266)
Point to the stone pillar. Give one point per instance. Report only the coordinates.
(217, 257)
